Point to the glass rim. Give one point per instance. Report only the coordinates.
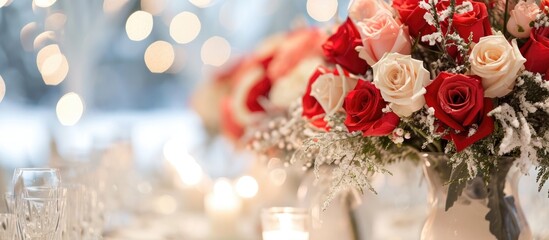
(37, 169)
(290, 210)
(43, 198)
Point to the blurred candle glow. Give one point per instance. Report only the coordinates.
(322, 10)
(139, 25)
(187, 168)
(185, 27)
(285, 223)
(223, 207)
(215, 51)
(159, 56)
(246, 187)
(69, 109)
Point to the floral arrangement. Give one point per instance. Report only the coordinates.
(460, 77)
(262, 83)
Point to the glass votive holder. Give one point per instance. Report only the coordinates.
(7, 226)
(285, 223)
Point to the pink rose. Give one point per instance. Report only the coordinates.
(521, 16)
(363, 9)
(383, 34)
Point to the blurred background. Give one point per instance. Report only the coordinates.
(102, 89)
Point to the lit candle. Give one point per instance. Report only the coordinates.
(285, 235)
(285, 224)
(223, 208)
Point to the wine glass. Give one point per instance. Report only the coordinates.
(7, 226)
(40, 218)
(27, 178)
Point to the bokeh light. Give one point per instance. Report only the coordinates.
(27, 36)
(215, 51)
(44, 39)
(69, 109)
(44, 3)
(52, 64)
(201, 3)
(2, 88)
(184, 27)
(187, 168)
(159, 56)
(246, 187)
(113, 6)
(278, 176)
(322, 10)
(139, 25)
(154, 7)
(55, 21)
(4, 3)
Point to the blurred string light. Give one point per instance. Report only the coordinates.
(56, 21)
(246, 187)
(44, 3)
(184, 27)
(159, 56)
(27, 36)
(2, 88)
(113, 6)
(201, 3)
(139, 25)
(187, 168)
(322, 10)
(215, 51)
(43, 39)
(69, 109)
(154, 7)
(52, 64)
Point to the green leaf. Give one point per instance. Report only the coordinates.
(503, 222)
(458, 180)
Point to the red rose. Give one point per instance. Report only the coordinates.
(412, 15)
(544, 3)
(340, 48)
(459, 103)
(312, 110)
(363, 106)
(476, 22)
(536, 51)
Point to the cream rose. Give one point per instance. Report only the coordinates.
(330, 91)
(363, 9)
(382, 34)
(521, 16)
(498, 63)
(401, 80)
(293, 85)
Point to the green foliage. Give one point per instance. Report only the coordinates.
(457, 183)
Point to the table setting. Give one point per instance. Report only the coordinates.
(274, 119)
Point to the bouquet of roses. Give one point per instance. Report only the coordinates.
(461, 77)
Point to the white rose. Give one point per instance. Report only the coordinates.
(293, 85)
(330, 90)
(241, 90)
(498, 63)
(401, 80)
